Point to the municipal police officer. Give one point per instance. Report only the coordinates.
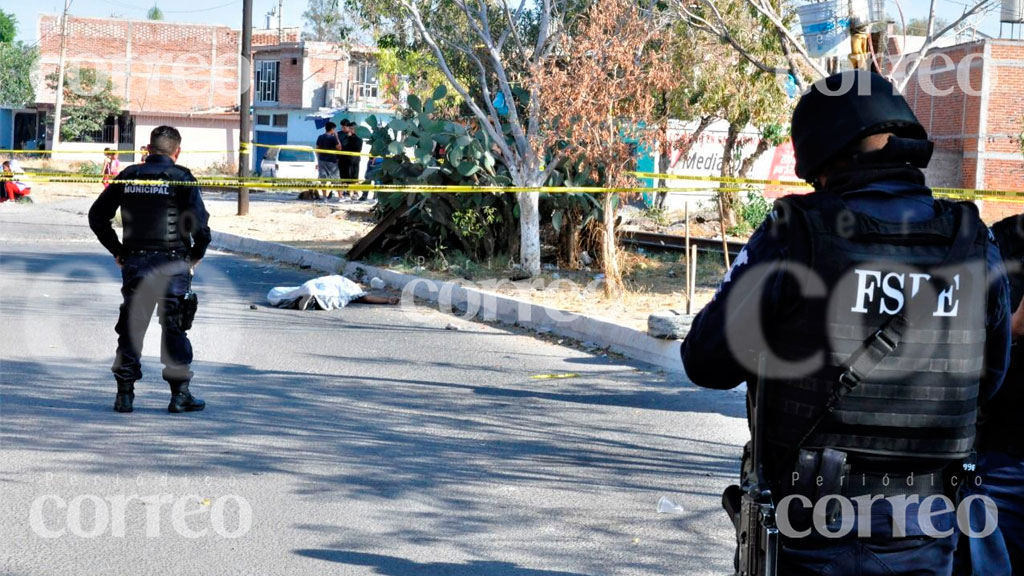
(166, 234)
(876, 318)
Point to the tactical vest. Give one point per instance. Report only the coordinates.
(921, 401)
(151, 213)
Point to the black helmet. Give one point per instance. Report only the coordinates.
(843, 109)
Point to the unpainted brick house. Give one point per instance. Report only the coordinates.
(297, 83)
(970, 98)
(186, 75)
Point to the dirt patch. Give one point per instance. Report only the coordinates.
(655, 280)
(328, 226)
(45, 193)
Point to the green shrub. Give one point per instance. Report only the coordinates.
(90, 169)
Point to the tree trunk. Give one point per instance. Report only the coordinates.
(729, 200)
(610, 250)
(748, 162)
(569, 241)
(511, 229)
(609, 247)
(663, 161)
(529, 232)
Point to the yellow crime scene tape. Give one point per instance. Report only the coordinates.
(351, 184)
(100, 152)
(318, 151)
(185, 151)
(343, 184)
(957, 193)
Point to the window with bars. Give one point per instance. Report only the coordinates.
(267, 80)
(365, 87)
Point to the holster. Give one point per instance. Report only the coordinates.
(830, 466)
(189, 305)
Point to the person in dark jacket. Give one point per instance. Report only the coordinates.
(165, 236)
(880, 317)
(1000, 466)
(326, 161)
(344, 161)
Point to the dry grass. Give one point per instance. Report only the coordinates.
(654, 280)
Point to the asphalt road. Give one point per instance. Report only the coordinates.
(363, 441)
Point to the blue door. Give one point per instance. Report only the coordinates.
(261, 137)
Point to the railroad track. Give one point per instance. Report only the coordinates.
(676, 243)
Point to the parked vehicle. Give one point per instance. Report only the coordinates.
(292, 162)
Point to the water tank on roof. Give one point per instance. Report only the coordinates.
(1013, 11)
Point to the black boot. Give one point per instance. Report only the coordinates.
(182, 400)
(125, 396)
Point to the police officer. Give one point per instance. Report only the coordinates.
(879, 317)
(165, 236)
(1000, 468)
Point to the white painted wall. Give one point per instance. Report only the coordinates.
(81, 151)
(204, 141)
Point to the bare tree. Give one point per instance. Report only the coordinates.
(932, 36)
(502, 44)
(605, 89)
(725, 19)
(325, 22)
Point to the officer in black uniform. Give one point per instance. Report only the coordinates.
(879, 316)
(166, 234)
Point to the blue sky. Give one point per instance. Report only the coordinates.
(229, 12)
(226, 12)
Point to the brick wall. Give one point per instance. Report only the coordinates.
(1003, 156)
(289, 87)
(305, 69)
(154, 66)
(970, 100)
(269, 37)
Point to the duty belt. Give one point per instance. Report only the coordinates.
(923, 484)
(169, 252)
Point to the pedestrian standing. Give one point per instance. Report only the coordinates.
(327, 162)
(166, 233)
(354, 146)
(111, 166)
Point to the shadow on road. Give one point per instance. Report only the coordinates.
(394, 566)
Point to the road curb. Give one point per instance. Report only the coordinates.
(475, 304)
(277, 252)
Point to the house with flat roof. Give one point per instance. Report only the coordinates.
(299, 86)
(186, 75)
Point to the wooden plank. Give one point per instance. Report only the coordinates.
(360, 248)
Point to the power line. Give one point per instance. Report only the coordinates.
(136, 7)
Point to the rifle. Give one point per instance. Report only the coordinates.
(750, 505)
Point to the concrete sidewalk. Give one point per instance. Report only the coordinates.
(476, 304)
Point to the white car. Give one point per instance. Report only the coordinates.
(291, 162)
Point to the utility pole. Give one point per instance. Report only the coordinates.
(60, 76)
(243, 106)
(280, 16)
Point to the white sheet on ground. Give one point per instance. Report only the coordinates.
(324, 293)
